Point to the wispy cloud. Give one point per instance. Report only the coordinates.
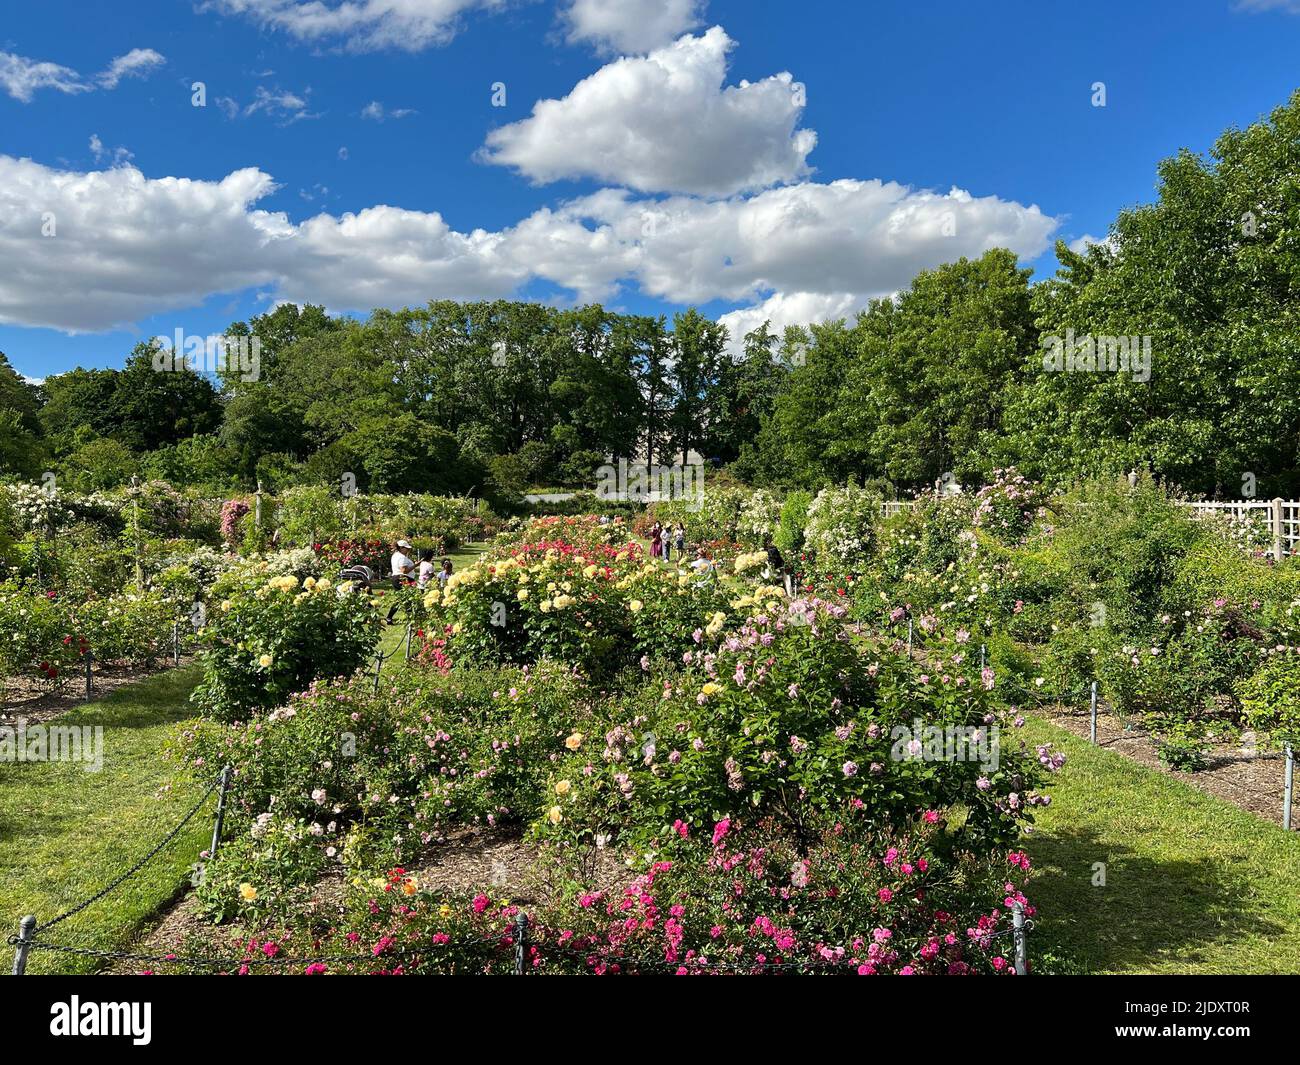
(137, 63)
(360, 25)
(22, 78)
(113, 156)
(377, 112)
(280, 104)
(1290, 7)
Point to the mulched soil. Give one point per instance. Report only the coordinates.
(1238, 772)
(499, 861)
(26, 698)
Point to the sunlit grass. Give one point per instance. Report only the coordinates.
(1193, 884)
(66, 832)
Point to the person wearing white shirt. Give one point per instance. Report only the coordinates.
(402, 566)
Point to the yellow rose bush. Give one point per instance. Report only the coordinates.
(270, 638)
(597, 606)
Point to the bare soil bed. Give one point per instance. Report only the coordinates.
(499, 861)
(1243, 774)
(35, 703)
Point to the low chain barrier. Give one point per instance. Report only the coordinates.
(526, 952)
(31, 935)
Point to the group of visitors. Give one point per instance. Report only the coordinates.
(404, 569)
(664, 537)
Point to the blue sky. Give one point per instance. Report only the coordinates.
(348, 156)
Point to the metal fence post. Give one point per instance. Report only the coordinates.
(379, 665)
(176, 643)
(410, 628)
(909, 637)
(26, 931)
(1092, 730)
(90, 682)
(1288, 790)
(1276, 522)
(221, 813)
(1018, 934)
(521, 943)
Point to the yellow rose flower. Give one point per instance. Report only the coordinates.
(635, 606)
(409, 886)
(574, 741)
(225, 605)
(555, 816)
(444, 910)
(265, 661)
(247, 891)
(522, 594)
(710, 689)
(563, 788)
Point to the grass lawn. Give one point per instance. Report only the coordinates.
(1192, 884)
(66, 832)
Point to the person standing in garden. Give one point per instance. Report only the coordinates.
(666, 536)
(655, 545)
(402, 565)
(444, 574)
(426, 567)
(680, 539)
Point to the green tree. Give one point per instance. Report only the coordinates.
(405, 454)
(21, 447)
(1210, 272)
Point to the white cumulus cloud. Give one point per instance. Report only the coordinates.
(127, 247)
(788, 308)
(122, 246)
(664, 123)
(623, 26)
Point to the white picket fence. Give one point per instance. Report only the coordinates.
(1281, 515)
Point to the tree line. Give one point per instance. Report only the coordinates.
(961, 373)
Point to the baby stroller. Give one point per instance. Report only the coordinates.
(362, 577)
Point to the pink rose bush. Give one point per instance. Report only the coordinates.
(787, 719)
